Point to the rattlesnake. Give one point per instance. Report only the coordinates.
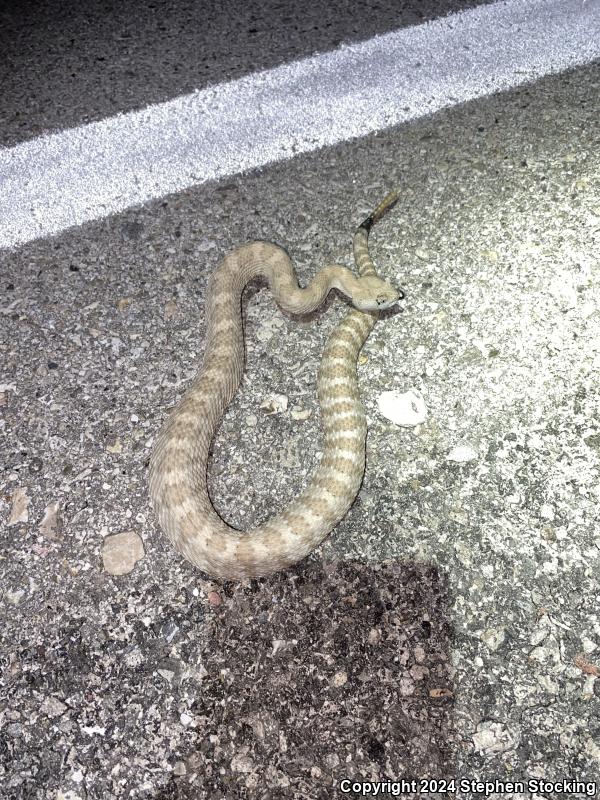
(178, 464)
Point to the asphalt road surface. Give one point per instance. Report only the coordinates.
(449, 627)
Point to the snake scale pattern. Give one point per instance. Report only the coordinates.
(178, 487)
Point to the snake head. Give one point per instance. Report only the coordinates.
(375, 294)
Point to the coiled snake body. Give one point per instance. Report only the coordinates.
(178, 464)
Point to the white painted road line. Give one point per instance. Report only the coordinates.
(52, 183)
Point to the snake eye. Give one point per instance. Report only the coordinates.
(385, 301)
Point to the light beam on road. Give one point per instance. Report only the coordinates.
(69, 178)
